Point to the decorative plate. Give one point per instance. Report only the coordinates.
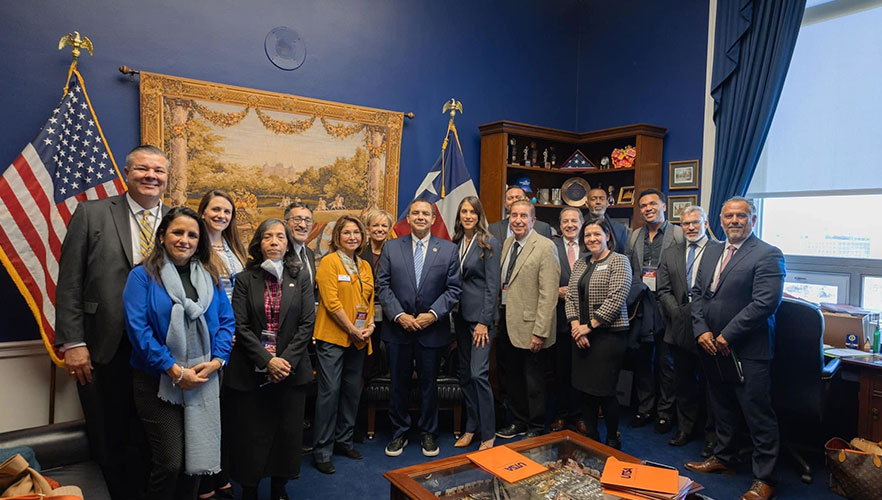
(575, 191)
(285, 48)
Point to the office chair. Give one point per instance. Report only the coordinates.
(800, 377)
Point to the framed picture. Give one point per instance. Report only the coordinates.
(268, 149)
(626, 195)
(625, 221)
(678, 203)
(683, 174)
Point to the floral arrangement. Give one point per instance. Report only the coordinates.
(624, 157)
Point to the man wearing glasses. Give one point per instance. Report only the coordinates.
(298, 217)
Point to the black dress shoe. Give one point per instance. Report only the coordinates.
(640, 419)
(663, 426)
(348, 453)
(681, 439)
(708, 449)
(615, 441)
(511, 431)
(325, 467)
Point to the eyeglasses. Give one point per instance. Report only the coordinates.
(300, 220)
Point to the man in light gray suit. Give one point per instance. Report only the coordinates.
(105, 239)
(501, 230)
(645, 246)
(527, 322)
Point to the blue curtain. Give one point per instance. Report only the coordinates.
(752, 50)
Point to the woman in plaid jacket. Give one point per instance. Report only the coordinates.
(598, 316)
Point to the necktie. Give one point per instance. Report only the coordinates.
(729, 251)
(571, 253)
(511, 260)
(690, 262)
(418, 259)
(146, 230)
(305, 261)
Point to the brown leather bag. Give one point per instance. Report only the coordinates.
(854, 473)
(20, 482)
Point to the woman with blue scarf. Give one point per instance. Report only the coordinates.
(269, 368)
(180, 324)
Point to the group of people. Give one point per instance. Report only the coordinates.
(173, 328)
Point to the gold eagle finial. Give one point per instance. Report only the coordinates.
(74, 40)
(453, 106)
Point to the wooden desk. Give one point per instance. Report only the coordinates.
(869, 395)
(412, 482)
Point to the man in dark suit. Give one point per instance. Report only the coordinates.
(737, 290)
(298, 217)
(653, 358)
(501, 230)
(418, 282)
(597, 204)
(566, 402)
(676, 274)
(105, 239)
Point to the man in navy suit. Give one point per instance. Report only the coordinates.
(734, 298)
(417, 293)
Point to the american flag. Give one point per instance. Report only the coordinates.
(68, 162)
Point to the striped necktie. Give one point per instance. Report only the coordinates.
(418, 259)
(146, 230)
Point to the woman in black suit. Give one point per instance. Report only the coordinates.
(266, 380)
(479, 263)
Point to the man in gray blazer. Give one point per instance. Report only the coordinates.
(105, 239)
(501, 230)
(645, 246)
(676, 274)
(527, 324)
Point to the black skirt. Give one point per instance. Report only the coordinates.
(596, 368)
(265, 432)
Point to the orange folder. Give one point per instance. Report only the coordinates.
(618, 474)
(506, 464)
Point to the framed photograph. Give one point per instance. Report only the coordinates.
(626, 195)
(268, 149)
(683, 174)
(625, 221)
(678, 203)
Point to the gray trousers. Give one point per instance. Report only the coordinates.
(336, 405)
(474, 377)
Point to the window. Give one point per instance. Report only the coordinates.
(817, 184)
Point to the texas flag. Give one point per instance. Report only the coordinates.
(446, 184)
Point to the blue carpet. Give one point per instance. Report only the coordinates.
(363, 479)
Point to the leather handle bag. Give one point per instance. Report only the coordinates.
(854, 473)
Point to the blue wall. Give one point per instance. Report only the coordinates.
(644, 61)
(511, 60)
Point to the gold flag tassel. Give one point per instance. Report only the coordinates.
(74, 40)
(453, 106)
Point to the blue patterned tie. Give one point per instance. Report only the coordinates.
(418, 262)
(690, 261)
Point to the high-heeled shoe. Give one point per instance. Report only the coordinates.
(464, 440)
(485, 445)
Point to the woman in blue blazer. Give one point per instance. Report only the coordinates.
(180, 325)
(479, 265)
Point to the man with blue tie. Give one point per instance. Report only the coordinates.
(418, 283)
(734, 298)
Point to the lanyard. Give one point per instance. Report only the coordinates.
(464, 250)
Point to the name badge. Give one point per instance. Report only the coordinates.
(601, 268)
(649, 277)
(344, 277)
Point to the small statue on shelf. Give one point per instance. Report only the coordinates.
(545, 161)
(534, 153)
(513, 154)
(604, 163)
(611, 199)
(526, 156)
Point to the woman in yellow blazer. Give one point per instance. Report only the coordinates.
(344, 323)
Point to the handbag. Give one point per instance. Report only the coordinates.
(854, 473)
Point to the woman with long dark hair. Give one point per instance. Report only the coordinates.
(269, 368)
(479, 255)
(180, 325)
(597, 311)
(218, 210)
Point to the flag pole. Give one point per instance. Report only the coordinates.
(453, 106)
